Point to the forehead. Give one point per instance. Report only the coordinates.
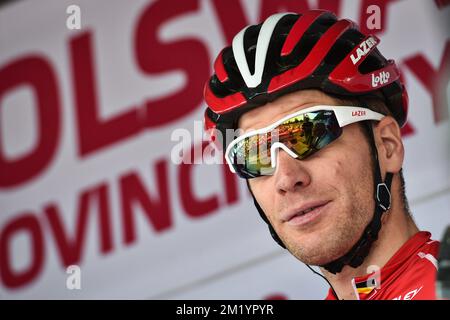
(279, 108)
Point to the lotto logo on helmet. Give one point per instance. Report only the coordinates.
(363, 49)
(380, 79)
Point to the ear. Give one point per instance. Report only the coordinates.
(389, 144)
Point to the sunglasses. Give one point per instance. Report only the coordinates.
(300, 134)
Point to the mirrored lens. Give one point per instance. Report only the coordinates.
(304, 134)
(308, 133)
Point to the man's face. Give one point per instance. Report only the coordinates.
(337, 179)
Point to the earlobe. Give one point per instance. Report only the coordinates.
(390, 144)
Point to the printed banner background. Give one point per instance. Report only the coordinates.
(86, 176)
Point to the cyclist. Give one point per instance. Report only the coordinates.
(336, 201)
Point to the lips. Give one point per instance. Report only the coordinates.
(304, 214)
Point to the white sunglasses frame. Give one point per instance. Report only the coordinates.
(345, 115)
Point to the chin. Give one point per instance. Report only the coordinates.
(315, 257)
(317, 248)
(329, 239)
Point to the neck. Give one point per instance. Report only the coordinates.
(397, 228)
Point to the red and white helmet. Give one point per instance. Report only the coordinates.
(290, 52)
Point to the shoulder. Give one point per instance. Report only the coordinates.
(417, 278)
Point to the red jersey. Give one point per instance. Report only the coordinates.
(409, 274)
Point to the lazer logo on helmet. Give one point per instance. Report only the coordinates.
(380, 79)
(364, 48)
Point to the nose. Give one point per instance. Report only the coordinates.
(290, 174)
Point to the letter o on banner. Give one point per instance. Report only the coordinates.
(29, 224)
(36, 72)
